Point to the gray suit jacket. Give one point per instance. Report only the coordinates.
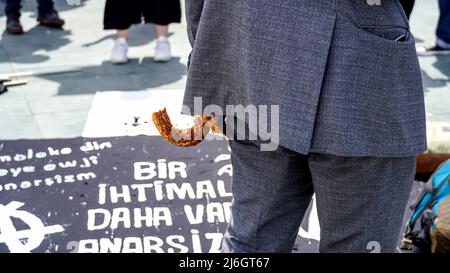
(344, 85)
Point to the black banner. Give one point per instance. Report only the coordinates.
(122, 195)
(128, 194)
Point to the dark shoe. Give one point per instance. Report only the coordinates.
(51, 19)
(432, 50)
(13, 26)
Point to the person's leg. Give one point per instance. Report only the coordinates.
(122, 34)
(47, 15)
(120, 16)
(442, 45)
(361, 201)
(443, 29)
(119, 54)
(162, 13)
(45, 6)
(163, 51)
(12, 8)
(162, 31)
(12, 11)
(271, 192)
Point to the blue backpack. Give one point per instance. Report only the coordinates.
(428, 229)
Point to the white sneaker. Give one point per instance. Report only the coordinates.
(162, 50)
(119, 52)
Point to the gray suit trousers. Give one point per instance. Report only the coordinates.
(359, 199)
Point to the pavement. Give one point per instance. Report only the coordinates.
(57, 106)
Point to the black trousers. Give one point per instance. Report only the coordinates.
(408, 6)
(13, 7)
(120, 14)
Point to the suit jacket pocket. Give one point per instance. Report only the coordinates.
(389, 35)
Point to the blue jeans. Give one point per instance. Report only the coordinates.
(12, 8)
(443, 30)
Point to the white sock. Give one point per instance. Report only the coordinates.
(163, 39)
(121, 40)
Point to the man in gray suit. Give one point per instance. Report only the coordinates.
(347, 81)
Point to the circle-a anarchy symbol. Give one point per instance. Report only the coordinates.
(13, 238)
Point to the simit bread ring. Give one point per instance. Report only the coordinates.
(184, 137)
